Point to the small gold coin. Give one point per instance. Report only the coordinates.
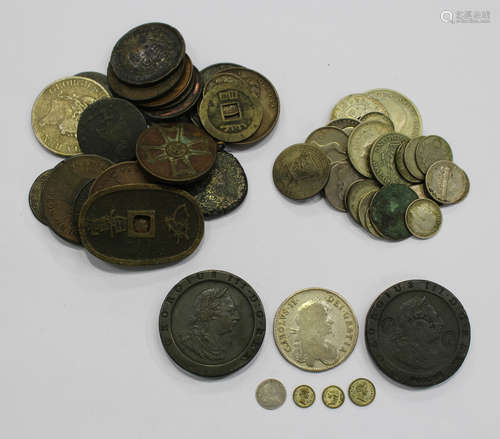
(342, 175)
(357, 105)
(333, 397)
(379, 117)
(446, 182)
(430, 150)
(304, 396)
(301, 171)
(423, 218)
(362, 392)
(57, 110)
(360, 144)
(332, 141)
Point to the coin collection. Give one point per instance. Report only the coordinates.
(371, 160)
(146, 148)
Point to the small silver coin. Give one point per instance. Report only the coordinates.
(270, 394)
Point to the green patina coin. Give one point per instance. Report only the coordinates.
(388, 210)
(383, 158)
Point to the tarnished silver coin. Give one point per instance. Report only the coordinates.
(346, 124)
(356, 106)
(379, 117)
(409, 156)
(332, 141)
(270, 394)
(356, 192)
(446, 182)
(430, 150)
(342, 175)
(423, 218)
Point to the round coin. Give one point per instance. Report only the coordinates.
(301, 171)
(147, 53)
(357, 105)
(97, 77)
(221, 78)
(223, 189)
(315, 329)
(388, 210)
(57, 110)
(430, 150)
(379, 117)
(360, 143)
(304, 396)
(418, 333)
(110, 128)
(419, 189)
(423, 218)
(332, 141)
(66, 180)
(208, 72)
(270, 394)
(212, 323)
(410, 160)
(341, 176)
(401, 111)
(356, 192)
(370, 226)
(176, 152)
(362, 392)
(79, 201)
(346, 124)
(333, 397)
(401, 164)
(446, 182)
(230, 113)
(35, 196)
(383, 158)
(364, 206)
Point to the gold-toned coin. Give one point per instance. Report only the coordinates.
(379, 117)
(301, 171)
(409, 156)
(332, 141)
(221, 78)
(342, 175)
(346, 124)
(430, 150)
(230, 112)
(360, 143)
(383, 158)
(401, 165)
(401, 111)
(423, 218)
(362, 392)
(446, 182)
(57, 110)
(356, 192)
(356, 106)
(315, 329)
(270, 394)
(333, 397)
(304, 396)
(364, 207)
(419, 189)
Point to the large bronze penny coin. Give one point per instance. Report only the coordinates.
(66, 180)
(177, 152)
(35, 196)
(147, 53)
(110, 128)
(141, 225)
(301, 171)
(212, 323)
(418, 333)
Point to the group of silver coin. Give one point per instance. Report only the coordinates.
(373, 144)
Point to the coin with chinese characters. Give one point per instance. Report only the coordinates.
(362, 392)
(315, 329)
(270, 394)
(304, 396)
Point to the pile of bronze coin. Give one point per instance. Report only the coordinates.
(146, 146)
(371, 160)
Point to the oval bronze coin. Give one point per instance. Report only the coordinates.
(141, 225)
(418, 333)
(35, 196)
(177, 152)
(212, 323)
(66, 180)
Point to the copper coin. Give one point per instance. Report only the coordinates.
(63, 185)
(35, 196)
(177, 152)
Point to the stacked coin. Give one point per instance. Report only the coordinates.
(101, 122)
(371, 161)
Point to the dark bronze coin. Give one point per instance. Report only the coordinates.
(110, 128)
(176, 152)
(35, 196)
(97, 77)
(223, 189)
(210, 71)
(79, 201)
(66, 180)
(141, 225)
(145, 93)
(120, 174)
(212, 323)
(147, 53)
(388, 210)
(418, 333)
(180, 108)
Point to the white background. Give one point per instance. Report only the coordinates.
(81, 355)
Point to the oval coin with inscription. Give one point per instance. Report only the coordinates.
(35, 196)
(446, 182)
(270, 394)
(141, 225)
(212, 323)
(315, 329)
(418, 333)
